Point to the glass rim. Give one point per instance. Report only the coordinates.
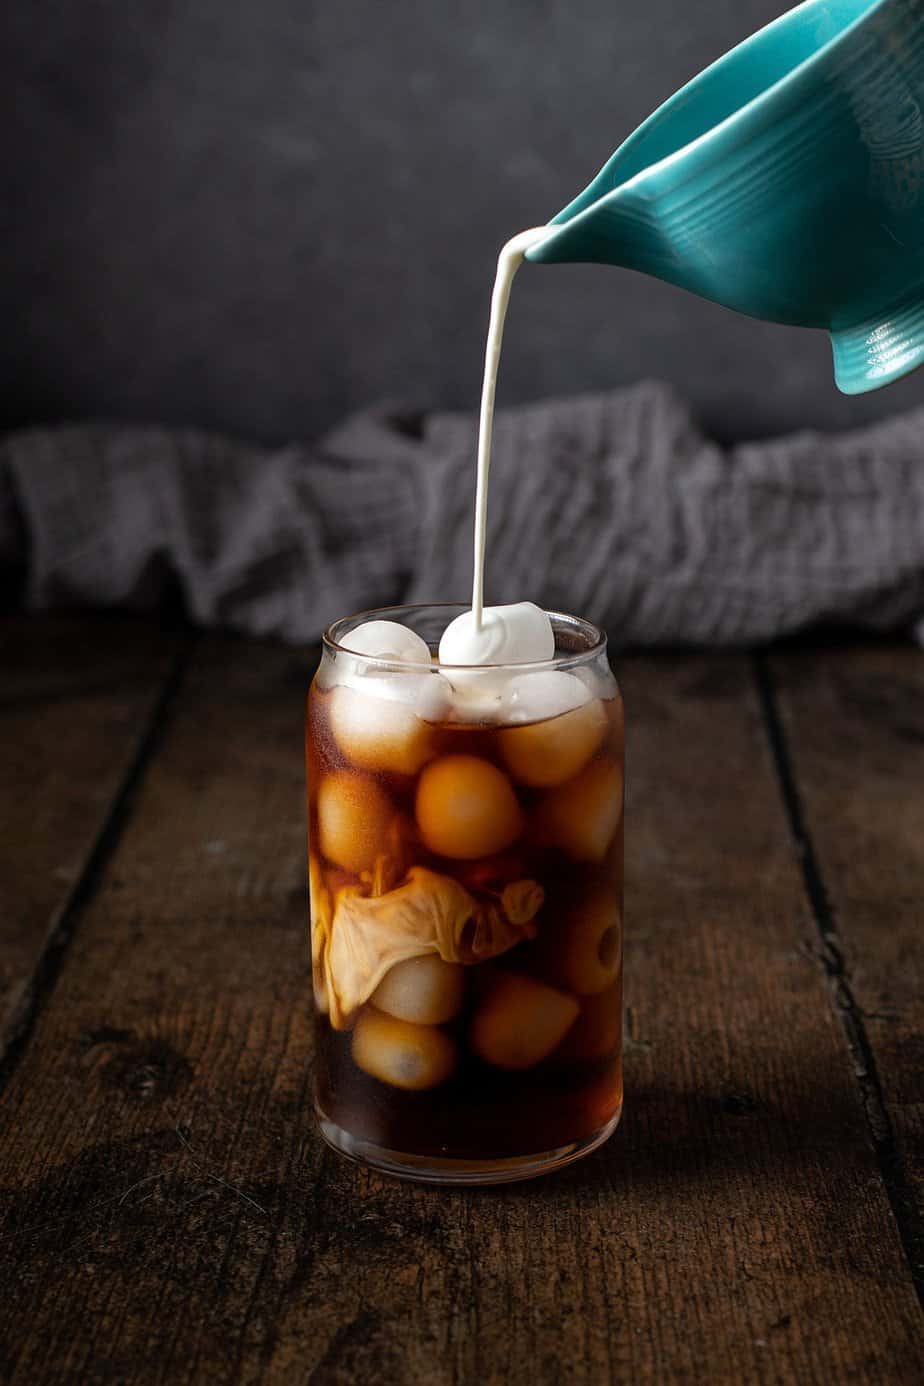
(331, 640)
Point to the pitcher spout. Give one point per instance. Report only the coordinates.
(611, 230)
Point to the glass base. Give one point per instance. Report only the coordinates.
(431, 1169)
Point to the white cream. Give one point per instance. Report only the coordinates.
(508, 262)
(517, 634)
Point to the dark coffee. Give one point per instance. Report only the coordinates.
(466, 885)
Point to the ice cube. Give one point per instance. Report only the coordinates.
(543, 694)
(466, 808)
(425, 990)
(584, 953)
(520, 633)
(564, 726)
(428, 696)
(478, 698)
(354, 815)
(383, 722)
(387, 640)
(582, 816)
(521, 1022)
(408, 1056)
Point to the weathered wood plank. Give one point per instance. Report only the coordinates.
(169, 1215)
(77, 696)
(854, 722)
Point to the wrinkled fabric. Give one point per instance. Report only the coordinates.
(615, 506)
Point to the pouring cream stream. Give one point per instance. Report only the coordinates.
(508, 262)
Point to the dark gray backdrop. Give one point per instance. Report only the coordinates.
(255, 216)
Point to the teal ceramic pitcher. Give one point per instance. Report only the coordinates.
(786, 181)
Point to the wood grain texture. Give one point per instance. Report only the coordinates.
(854, 723)
(169, 1214)
(77, 699)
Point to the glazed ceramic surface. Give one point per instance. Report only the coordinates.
(787, 182)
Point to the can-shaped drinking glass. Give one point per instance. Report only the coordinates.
(465, 858)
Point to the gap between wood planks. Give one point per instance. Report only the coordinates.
(53, 955)
(830, 957)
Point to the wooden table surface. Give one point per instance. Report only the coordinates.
(168, 1211)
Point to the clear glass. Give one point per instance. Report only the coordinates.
(465, 853)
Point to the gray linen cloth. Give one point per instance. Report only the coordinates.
(615, 506)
